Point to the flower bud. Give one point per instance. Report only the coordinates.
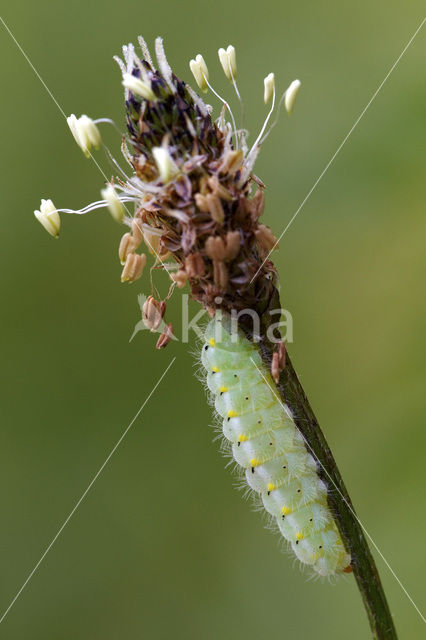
(114, 204)
(138, 87)
(200, 72)
(152, 313)
(290, 95)
(48, 216)
(269, 83)
(133, 267)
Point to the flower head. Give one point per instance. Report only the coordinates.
(194, 198)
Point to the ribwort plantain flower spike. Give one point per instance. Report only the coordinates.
(191, 178)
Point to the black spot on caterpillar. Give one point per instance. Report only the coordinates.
(267, 444)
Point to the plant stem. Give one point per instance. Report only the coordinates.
(351, 531)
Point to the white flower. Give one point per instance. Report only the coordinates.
(269, 82)
(85, 132)
(290, 95)
(200, 72)
(138, 86)
(165, 163)
(49, 217)
(229, 62)
(114, 203)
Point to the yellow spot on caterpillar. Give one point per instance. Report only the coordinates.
(286, 511)
(299, 535)
(231, 414)
(243, 438)
(254, 462)
(223, 389)
(212, 342)
(215, 370)
(271, 486)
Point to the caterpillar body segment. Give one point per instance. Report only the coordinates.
(268, 446)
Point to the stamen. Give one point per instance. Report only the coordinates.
(85, 133)
(109, 121)
(200, 72)
(115, 205)
(226, 105)
(282, 99)
(166, 166)
(265, 123)
(48, 216)
(269, 83)
(98, 204)
(138, 87)
(290, 95)
(229, 65)
(228, 61)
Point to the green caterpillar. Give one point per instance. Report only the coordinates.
(268, 446)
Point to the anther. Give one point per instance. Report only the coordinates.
(48, 216)
(290, 95)
(200, 72)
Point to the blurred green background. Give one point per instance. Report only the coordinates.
(164, 546)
